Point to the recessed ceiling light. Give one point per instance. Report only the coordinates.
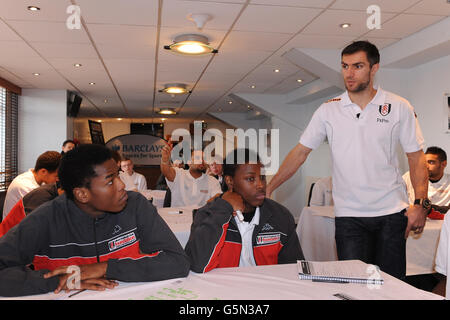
(36, 74)
(344, 25)
(299, 80)
(120, 119)
(167, 111)
(33, 8)
(191, 44)
(77, 65)
(276, 70)
(253, 87)
(230, 102)
(175, 88)
(92, 83)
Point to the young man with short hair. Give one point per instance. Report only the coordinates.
(44, 171)
(438, 180)
(110, 234)
(242, 227)
(133, 181)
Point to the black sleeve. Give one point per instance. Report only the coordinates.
(17, 250)
(291, 251)
(162, 255)
(208, 232)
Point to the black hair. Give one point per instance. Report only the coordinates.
(68, 141)
(373, 55)
(442, 156)
(239, 157)
(49, 160)
(77, 166)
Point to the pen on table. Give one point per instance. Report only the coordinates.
(74, 294)
(330, 281)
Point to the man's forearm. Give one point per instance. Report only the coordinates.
(418, 174)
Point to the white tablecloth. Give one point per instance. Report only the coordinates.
(179, 220)
(316, 232)
(276, 282)
(157, 197)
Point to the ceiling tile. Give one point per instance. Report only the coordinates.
(124, 12)
(275, 19)
(403, 25)
(43, 31)
(295, 3)
(65, 50)
(396, 6)
(437, 7)
(51, 10)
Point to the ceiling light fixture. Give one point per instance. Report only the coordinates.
(36, 74)
(77, 65)
(276, 70)
(175, 88)
(299, 80)
(253, 87)
(33, 8)
(92, 83)
(191, 44)
(345, 25)
(167, 111)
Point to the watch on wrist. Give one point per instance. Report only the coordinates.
(425, 203)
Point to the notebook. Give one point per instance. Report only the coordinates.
(348, 271)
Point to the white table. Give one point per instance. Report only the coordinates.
(157, 197)
(316, 232)
(276, 282)
(179, 220)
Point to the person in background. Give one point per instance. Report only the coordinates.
(438, 180)
(28, 203)
(190, 187)
(242, 227)
(108, 233)
(45, 171)
(133, 181)
(67, 146)
(364, 126)
(322, 193)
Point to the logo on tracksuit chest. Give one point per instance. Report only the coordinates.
(268, 238)
(121, 241)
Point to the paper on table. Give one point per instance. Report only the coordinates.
(324, 211)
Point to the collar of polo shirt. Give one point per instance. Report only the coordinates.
(379, 98)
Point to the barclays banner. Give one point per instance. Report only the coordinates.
(142, 149)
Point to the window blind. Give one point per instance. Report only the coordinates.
(8, 137)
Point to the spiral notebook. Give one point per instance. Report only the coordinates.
(348, 271)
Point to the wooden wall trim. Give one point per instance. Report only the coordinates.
(10, 86)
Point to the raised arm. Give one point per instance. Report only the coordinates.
(166, 167)
(290, 165)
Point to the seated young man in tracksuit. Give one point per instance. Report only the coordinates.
(106, 232)
(265, 235)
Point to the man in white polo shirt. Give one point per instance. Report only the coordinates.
(133, 181)
(364, 126)
(189, 187)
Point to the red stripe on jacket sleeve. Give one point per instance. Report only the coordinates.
(214, 260)
(16, 215)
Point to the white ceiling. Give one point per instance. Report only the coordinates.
(120, 46)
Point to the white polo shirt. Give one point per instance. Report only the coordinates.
(135, 182)
(188, 191)
(366, 179)
(19, 187)
(438, 192)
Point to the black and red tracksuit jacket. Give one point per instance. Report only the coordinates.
(215, 241)
(136, 242)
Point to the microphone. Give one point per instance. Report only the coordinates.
(357, 115)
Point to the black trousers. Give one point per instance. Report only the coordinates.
(374, 240)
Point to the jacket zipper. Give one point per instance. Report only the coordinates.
(95, 239)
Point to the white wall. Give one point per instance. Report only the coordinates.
(43, 124)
